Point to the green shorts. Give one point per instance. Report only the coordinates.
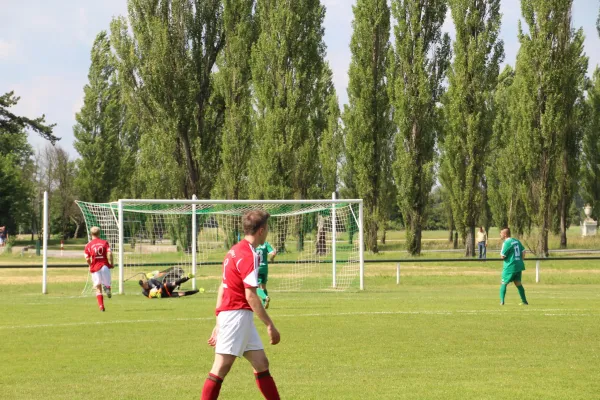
(263, 274)
(508, 277)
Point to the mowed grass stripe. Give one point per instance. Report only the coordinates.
(439, 341)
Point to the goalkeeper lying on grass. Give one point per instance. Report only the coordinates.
(155, 289)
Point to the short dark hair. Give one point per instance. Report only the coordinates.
(507, 229)
(253, 220)
(141, 282)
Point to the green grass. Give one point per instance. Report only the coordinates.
(440, 334)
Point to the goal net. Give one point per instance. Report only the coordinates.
(318, 242)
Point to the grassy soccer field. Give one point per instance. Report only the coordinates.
(440, 334)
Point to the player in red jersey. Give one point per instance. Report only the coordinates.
(235, 334)
(100, 259)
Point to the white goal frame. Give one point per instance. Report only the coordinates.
(195, 202)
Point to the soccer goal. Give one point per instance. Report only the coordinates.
(319, 243)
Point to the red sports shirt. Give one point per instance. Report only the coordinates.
(97, 250)
(240, 271)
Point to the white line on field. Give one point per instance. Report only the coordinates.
(342, 314)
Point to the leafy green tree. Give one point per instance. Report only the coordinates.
(287, 72)
(472, 78)
(17, 168)
(16, 186)
(590, 165)
(235, 78)
(98, 129)
(165, 66)
(367, 117)
(505, 175)
(11, 123)
(60, 173)
(331, 140)
(421, 59)
(549, 74)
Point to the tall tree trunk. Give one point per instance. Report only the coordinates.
(371, 236)
(281, 237)
(455, 241)
(413, 238)
(563, 222)
(321, 245)
(470, 242)
(543, 234)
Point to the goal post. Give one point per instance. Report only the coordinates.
(319, 242)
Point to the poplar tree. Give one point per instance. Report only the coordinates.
(590, 165)
(550, 73)
(235, 78)
(420, 62)
(472, 78)
(367, 116)
(287, 70)
(166, 52)
(98, 126)
(504, 172)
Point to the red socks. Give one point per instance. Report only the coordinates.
(264, 381)
(212, 387)
(266, 384)
(100, 299)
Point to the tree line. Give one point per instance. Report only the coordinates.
(234, 99)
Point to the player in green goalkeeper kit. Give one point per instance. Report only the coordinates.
(266, 253)
(512, 253)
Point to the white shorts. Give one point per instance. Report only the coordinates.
(237, 333)
(102, 276)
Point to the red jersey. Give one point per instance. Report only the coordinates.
(240, 271)
(97, 250)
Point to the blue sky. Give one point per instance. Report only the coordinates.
(45, 50)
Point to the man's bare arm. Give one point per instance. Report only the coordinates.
(256, 305)
(219, 296)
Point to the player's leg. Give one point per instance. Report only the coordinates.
(502, 293)
(220, 369)
(179, 281)
(106, 281)
(97, 282)
(255, 353)
(520, 288)
(262, 280)
(264, 380)
(232, 339)
(182, 293)
(506, 278)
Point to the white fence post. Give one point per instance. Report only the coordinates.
(45, 246)
(398, 274)
(194, 240)
(333, 238)
(537, 271)
(361, 248)
(121, 249)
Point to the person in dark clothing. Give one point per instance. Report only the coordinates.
(155, 289)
